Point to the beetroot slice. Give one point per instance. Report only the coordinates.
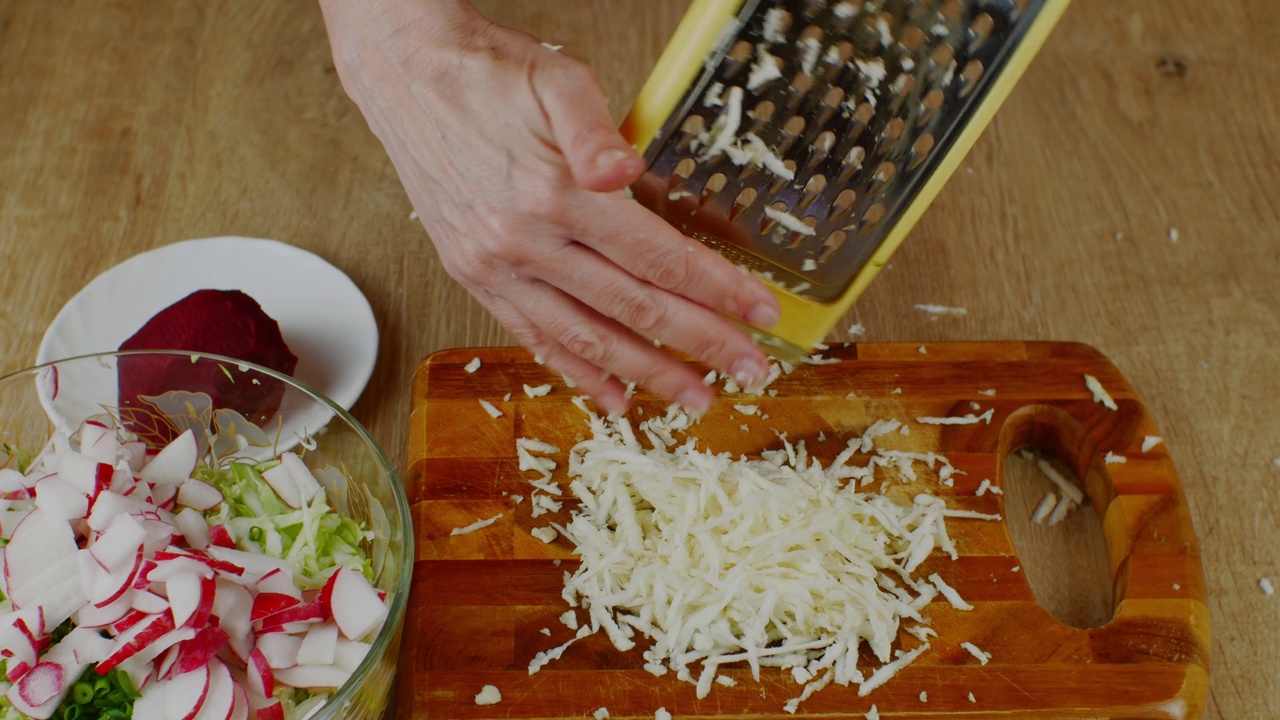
(220, 322)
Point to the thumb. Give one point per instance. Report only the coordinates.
(598, 156)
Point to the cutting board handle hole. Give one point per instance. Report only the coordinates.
(1067, 564)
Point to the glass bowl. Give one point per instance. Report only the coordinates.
(239, 411)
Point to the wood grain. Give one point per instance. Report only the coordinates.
(130, 124)
(480, 600)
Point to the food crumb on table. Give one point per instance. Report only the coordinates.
(601, 714)
(489, 695)
(972, 699)
(472, 366)
(924, 696)
(1151, 441)
(1266, 586)
(489, 407)
(873, 714)
(661, 714)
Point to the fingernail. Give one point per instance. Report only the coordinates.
(695, 400)
(608, 157)
(747, 371)
(763, 314)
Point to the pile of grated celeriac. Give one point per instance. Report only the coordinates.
(776, 561)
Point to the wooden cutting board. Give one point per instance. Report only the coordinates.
(479, 601)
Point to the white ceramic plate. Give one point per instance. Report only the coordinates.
(325, 319)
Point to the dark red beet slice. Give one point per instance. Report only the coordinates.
(221, 322)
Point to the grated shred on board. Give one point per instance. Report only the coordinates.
(477, 525)
(1100, 394)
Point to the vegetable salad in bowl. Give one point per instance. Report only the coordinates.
(175, 560)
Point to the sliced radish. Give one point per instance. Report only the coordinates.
(267, 604)
(36, 693)
(280, 650)
(307, 485)
(200, 649)
(135, 638)
(232, 604)
(280, 582)
(39, 541)
(272, 711)
(119, 545)
(90, 616)
(87, 646)
(164, 496)
(240, 708)
(185, 591)
(355, 604)
(58, 591)
(172, 566)
(178, 698)
(148, 602)
(9, 520)
(173, 464)
(311, 612)
(78, 470)
(99, 442)
(281, 480)
(193, 527)
(108, 587)
(157, 647)
(259, 677)
(199, 495)
(221, 696)
(107, 506)
(201, 557)
(254, 565)
(319, 645)
(312, 676)
(61, 499)
(135, 454)
(348, 654)
(218, 535)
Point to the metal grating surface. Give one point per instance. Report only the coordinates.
(867, 98)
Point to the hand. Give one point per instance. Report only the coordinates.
(508, 153)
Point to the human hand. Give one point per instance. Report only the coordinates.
(508, 153)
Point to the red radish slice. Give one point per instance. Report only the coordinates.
(273, 711)
(218, 535)
(193, 527)
(159, 532)
(355, 604)
(232, 604)
(148, 602)
(38, 542)
(135, 453)
(281, 480)
(58, 591)
(319, 645)
(307, 485)
(165, 664)
(92, 617)
(173, 566)
(259, 677)
(200, 557)
(119, 545)
(178, 698)
(280, 582)
(173, 464)
(9, 520)
(299, 613)
(281, 651)
(36, 693)
(199, 495)
(221, 696)
(79, 471)
(61, 499)
(164, 496)
(86, 646)
(109, 587)
(157, 647)
(185, 591)
(312, 676)
(267, 604)
(200, 650)
(109, 505)
(240, 708)
(254, 565)
(99, 442)
(135, 638)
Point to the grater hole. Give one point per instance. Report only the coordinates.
(980, 29)
(972, 73)
(1018, 7)
(872, 217)
(842, 203)
(742, 51)
(883, 175)
(798, 239)
(812, 32)
(800, 86)
(933, 99)
(832, 245)
(893, 130)
(685, 168)
(816, 185)
(912, 38)
(793, 126)
(784, 21)
(824, 142)
(942, 56)
(834, 97)
(864, 113)
(742, 202)
(920, 150)
(952, 9)
(714, 185)
(852, 161)
(843, 14)
(690, 129)
(763, 112)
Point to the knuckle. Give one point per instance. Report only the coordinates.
(589, 343)
(711, 348)
(639, 310)
(667, 270)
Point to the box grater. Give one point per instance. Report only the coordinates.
(803, 139)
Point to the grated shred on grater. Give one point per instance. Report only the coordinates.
(802, 139)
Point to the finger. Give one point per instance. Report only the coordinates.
(639, 241)
(653, 312)
(604, 343)
(598, 156)
(606, 391)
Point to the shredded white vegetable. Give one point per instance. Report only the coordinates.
(1100, 394)
(969, 419)
(472, 366)
(777, 561)
(1151, 441)
(477, 525)
(974, 650)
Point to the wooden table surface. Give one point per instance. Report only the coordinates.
(131, 124)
